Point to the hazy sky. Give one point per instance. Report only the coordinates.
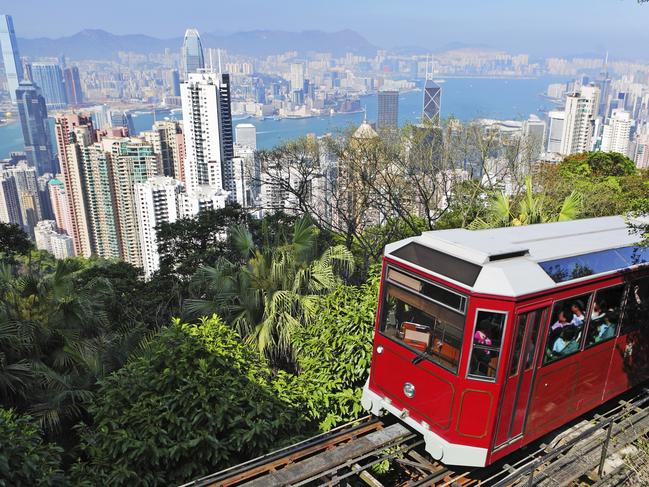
(539, 27)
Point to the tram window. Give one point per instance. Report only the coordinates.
(427, 328)
(566, 327)
(636, 312)
(518, 344)
(487, 340)
(605, 316)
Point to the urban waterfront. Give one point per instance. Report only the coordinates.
(464, 98)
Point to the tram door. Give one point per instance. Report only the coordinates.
(520, 377)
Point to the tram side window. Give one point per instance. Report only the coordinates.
(605, 316)
(487, 339)
(432, 330)
(636, 313)
(566, 328)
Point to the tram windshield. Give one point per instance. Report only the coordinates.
(411, 318)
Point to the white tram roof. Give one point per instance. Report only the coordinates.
(507, 260)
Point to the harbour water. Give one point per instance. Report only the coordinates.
(464, 98)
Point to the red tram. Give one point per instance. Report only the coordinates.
(486, 340)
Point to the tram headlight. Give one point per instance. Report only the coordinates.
(379, 349)
(409, 390)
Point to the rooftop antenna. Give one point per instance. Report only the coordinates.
(364, 113)
(219, 54)
(211, 65)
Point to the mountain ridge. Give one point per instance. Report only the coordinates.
(100, 45)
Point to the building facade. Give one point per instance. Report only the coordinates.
(11, 59)
(48, 76)
(32, 111)
(388, 110)
(192, 53)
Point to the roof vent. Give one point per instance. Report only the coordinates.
(509, 255)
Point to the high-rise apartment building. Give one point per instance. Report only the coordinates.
(534, 134)
(9, 201)
(26, 182)
(74, 133)
(59, 202)
(192, 53)
(207, 121)
(47, 238)
(133, 162)
(157, 201)
(388, 110)
(168, 143)
(580, 112)
(617, 132)
(174, 82)
(246, 135)
(11, 59)
(72, 82)
(556, 119)
(48, 76)
(32, 112)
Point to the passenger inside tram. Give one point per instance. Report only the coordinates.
(578, 315)
(562, 320)
(566, 343)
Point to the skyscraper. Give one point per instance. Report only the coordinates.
(9, 202)
(36, 135)
(166, 137)
(556, 119)
(74, 133)
(207, 130)
(297, 76)
(174, 82)
(246, 135)
(133, 162)
(73, 86)
(388, 110)
(60, 208)
(580, 112)
(430, 114)
(192, 53)
(49, 78)
(157, 201)
(28, 195)
(617, 131)
(10, 57)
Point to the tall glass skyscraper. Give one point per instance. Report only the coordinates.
(432, 103)
(33, 120)
(388, 110)
(10, 56)
(73, 86)
(48, 76)
(192, 53)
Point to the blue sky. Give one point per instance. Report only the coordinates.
(542, 27)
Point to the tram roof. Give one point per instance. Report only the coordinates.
(514, 261)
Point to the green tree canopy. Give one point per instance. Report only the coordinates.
(598, 164)
(273, 292)
(13, 241)
(25, 459)
(334, 351)
(196, 401)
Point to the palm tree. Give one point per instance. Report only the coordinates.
(274, 291)
(526, 210)
(56, 341)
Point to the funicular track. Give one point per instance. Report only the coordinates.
(576, 453)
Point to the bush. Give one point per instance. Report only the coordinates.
(335, 351)
(25, 459)
(197, 401)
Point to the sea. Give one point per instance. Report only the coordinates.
(463, 98)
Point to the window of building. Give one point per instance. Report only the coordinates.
(567, 325)
(636, 312)
(433, 331)
(487, 340)
(605, 315)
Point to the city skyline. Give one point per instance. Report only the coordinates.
(543, 28)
